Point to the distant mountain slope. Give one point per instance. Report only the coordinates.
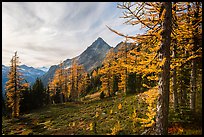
(49, 75)
(29, 74)
(91, 58)
(45, 69)
(5, 71)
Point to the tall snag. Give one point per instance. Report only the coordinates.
(164, 55)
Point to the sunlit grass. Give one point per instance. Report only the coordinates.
(109, 116)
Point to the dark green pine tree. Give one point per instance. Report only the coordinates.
(38, 94)
(26, 103)
(3, 106)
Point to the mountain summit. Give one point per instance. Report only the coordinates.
(91, 58)
(94, 54)
(99, 43)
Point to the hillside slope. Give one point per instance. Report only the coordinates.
(78, 118)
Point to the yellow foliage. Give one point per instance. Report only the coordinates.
(97, 114)
(162, 62)
(26, 132)
(14, 86)
(116, 128)
(156, 78)
(180, 130)
(120, 106)
(73, 124)
(94, 74)
(149, 124)
(145, 85)
(91, 126)
(149, 97)
(134, 116)
(111, 111)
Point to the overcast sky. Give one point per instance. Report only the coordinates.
(46, 33)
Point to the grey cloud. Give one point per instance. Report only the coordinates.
(20, 18)
(49, 32)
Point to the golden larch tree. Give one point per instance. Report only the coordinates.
(14, 86)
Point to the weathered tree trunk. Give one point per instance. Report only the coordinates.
(124, 55)
(193, 71)
(193, 86)
(174, 84)
(164, 53)
(15, 86)
(183, 86)
(174, 78)
(16, 96)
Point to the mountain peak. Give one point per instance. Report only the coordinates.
(99, 43)
(90, 58)
(99, 38)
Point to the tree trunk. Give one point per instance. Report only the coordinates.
(126, 68)
(164, 53)
(174, 78)
(16, 102)
(184, 88)
(193, 71)
(175, 94)
(193, 86)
